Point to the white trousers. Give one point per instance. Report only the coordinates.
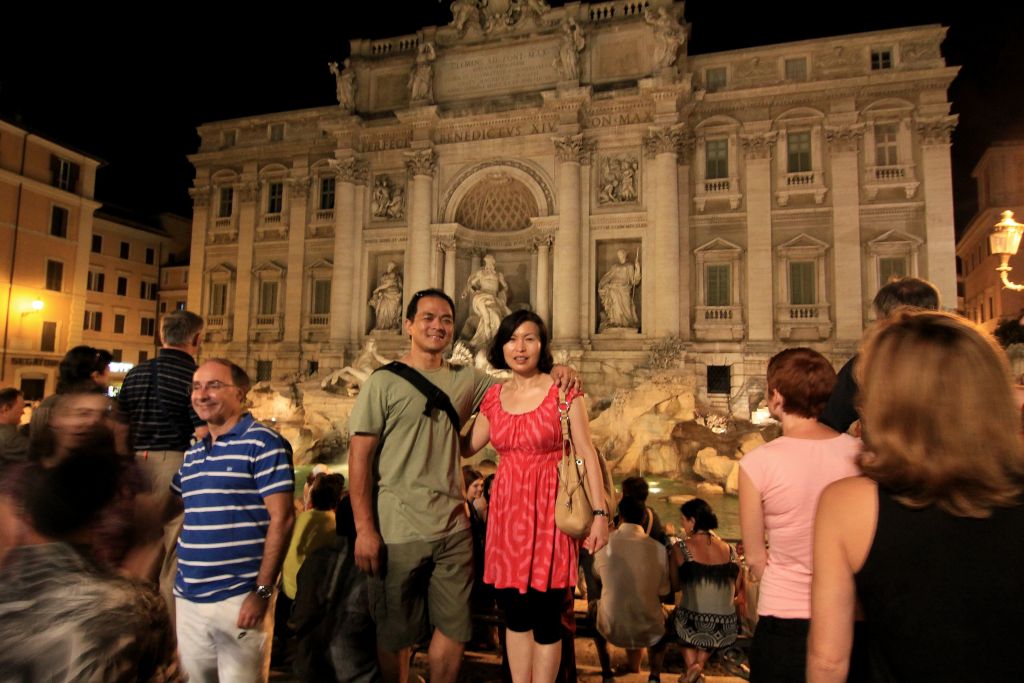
(212, 647)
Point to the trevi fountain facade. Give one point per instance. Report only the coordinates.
(675, 218)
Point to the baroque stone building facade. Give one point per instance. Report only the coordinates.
(629, 192)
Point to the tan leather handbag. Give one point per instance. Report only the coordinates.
(573, 511)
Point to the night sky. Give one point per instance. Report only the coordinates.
(132, 91)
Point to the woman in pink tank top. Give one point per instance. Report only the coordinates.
(779, 487)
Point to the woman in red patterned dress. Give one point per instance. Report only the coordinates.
(527, 559)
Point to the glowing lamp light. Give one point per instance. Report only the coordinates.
(1005, 241)
(37, 305)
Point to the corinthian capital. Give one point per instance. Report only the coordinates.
(421, 162)
(845, 138)
(248, 192)
(571, 148)
(758, 145)
(200, 196)
(299, 187)
(349, 169)
(936, 131)
(663, 141)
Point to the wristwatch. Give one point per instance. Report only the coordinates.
(600, 513)
(265, 591)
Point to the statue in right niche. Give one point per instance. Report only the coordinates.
(617, 289)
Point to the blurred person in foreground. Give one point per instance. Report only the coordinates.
(779, 487)
(931, 539)
(63, 615)
(82, 370)
(840, 411)
(13, 444)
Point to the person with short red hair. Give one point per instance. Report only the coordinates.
(780, 483)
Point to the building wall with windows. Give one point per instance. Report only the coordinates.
(46, 224)
(767, 192)
(1000, 178)
(123, 286)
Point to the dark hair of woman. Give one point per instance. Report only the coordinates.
(697, 509)
(77, 366)
(509, 324)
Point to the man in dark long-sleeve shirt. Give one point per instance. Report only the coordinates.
(157, 398)
(907, 292)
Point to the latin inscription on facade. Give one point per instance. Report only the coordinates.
(506, 69)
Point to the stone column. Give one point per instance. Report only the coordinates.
(760, 307)
(421, 166)
(197, 259)
(543, 245)
(349, 170)
(248, 216)
(849, 309)
(566, 293)
(686, 150)
(937, 176)
(662, 144)
(359, 308)
(449, 267)
(294, 309)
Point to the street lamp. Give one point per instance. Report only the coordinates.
(1005, 240)
(37, 305)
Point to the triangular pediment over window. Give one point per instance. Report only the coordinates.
(719, 245)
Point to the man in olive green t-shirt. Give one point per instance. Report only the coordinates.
(407, 463)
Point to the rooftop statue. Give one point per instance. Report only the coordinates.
(345, 82)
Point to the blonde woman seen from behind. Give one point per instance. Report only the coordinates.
(931, 539)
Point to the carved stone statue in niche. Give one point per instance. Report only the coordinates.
(616, 289)
(388, 199)
(488, 304)
(345, 83)
(386, 299)
(668, 36)
(618, 180)
(421, 78)
(568, 62)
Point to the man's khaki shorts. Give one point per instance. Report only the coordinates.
(425, 585)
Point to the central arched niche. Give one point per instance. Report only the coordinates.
(497, 203)
(494, 205)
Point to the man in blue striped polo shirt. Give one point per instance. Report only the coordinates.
(237, 486)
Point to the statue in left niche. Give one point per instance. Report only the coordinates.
(345, 83)
(568, 62)
(421, 78)
(386, 299)
(388, 199)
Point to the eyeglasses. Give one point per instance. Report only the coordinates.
(209, 386)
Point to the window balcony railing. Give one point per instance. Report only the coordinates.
(897, 176)
(800, 183)
(265, 322)
(325, 216)
(318, 320)
(717, 189)
(272, 219)
(803, 321)
(218, 322)
(718, 323)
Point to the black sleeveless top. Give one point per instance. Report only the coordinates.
(944, 595)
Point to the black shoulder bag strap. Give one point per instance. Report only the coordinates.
(435, 397)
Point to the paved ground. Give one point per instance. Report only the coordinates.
(485, 667)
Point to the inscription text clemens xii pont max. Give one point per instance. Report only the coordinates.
(506, 69)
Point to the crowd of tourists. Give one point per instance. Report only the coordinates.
(158, 536)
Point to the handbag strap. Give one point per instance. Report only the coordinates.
(563, 417)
